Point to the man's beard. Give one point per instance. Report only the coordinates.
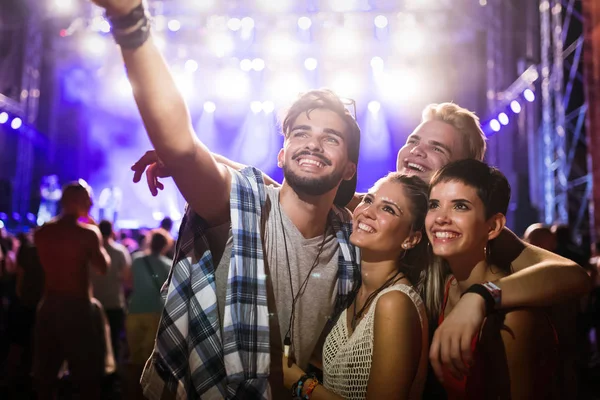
(312, 186)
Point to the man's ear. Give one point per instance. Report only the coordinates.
(412, 240)
(496, 223)
(350, 171)
(280, 157)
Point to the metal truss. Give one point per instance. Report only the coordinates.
(567, 184)
(30, 93)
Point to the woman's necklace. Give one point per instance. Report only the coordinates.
(356, 316)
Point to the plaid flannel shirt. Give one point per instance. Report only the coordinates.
(190, 357)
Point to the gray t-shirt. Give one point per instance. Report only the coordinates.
(108, 289)
(314, 305)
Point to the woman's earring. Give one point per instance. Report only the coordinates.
(405, 246)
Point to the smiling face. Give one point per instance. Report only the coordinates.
(456, 223)
(431, 146)
(383, 222)
(315, 153)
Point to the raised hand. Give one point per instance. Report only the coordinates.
(154, 168)
(117, 7)
(451, 344)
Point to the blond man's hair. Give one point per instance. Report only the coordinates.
(464, 121)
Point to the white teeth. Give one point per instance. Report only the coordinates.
(304, 161)
(416, 166)
(446, 235)
(365, 227)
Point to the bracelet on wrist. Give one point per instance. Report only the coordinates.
(491, 294)
(132, 30)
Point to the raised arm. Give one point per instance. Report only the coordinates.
(155, 169)
(204, 183)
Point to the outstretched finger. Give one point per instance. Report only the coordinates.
(151, 180)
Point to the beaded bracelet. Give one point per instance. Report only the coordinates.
(311, 387)
(297, 387)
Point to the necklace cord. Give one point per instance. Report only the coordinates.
(290, 331)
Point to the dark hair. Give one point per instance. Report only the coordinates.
(158, 242)
(491, 185)
(415, 190)
(106, 228)
(74, 191)
(166, 224)
(328, 100)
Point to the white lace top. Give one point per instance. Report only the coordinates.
(347, 360)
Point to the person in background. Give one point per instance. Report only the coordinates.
(148, 273)
(109, 288)
(29, 287)
(67, 324)
(540, 236)
(566, 247)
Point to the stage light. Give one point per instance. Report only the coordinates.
(221, 44)
(495, 125)
(210, 107)
(282, 46)
(529, 95)
(30, 217)
(310, 64)
(157, 215)
(124, 87)
(160, 42)
(343, 5)
(515, 106)
(235, 24)
(63, 6)
(503, 118)
(1, 224)
(246, 64)
(256, 106)
(274, 6)
(268, 106)
(284, 87)
(104, 26)
(258, 64)
(185, 84)
(174, 25)
(483, 3)
(381, 21)
(374, 106)
(346, 84)
(304, 23)
(3, 117)
(231, 83)
(94, 45)
(16, 123)
(191, 66)
(399, 84)
(247, 23)
(344, 43)
(409, 41)
(377, 64)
